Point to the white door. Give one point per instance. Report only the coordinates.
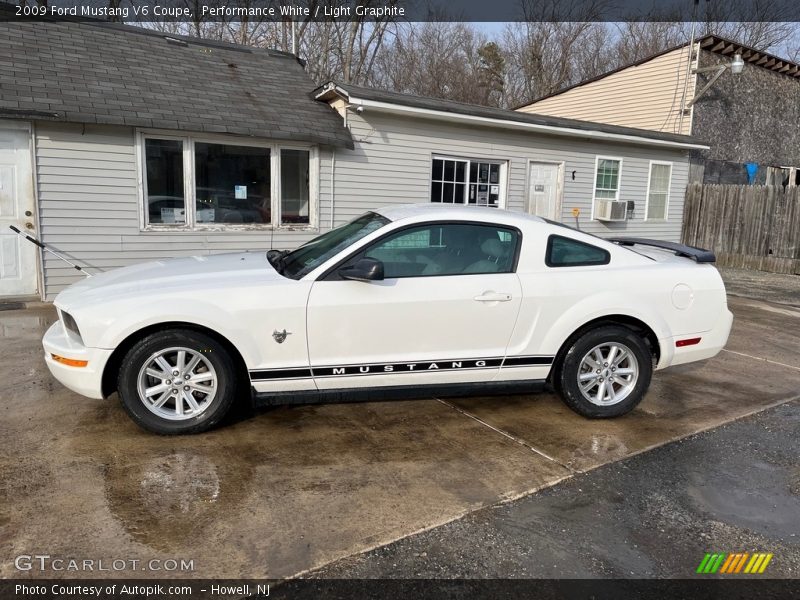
(17, 256)
(544, 191)
(443, 314)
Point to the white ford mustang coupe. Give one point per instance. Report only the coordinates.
(404, 301)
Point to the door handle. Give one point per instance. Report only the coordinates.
(493, 297)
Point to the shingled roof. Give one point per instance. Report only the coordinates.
(94, 72)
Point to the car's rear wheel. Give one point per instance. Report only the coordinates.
(177, 381)
(605, 372)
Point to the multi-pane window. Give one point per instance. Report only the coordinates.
(449, 180)
(658, 190)
(606, 185)
(466, 181)
(193, 183)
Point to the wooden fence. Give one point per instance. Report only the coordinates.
(747, 226)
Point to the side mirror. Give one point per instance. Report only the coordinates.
(366, 269)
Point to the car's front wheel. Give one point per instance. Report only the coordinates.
(605, 372)
(177, 381)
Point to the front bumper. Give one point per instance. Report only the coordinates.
(86, 381)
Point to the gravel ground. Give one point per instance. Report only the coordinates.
(772, 287)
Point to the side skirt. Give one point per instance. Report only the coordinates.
(398, 392)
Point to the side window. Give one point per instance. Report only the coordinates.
(446, 249)
(566, 252)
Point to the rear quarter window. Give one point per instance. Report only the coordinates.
(567, 252)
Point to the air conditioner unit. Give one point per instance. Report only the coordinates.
(611, 210)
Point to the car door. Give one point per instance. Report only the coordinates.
(443, 313)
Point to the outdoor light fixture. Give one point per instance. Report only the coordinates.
(736, 66)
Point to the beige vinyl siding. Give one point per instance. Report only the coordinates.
(646, 96)
(89, 206)
(391, 163)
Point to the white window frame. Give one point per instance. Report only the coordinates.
(597, 160)
(502, 179)
(669, 190)
(189, 141)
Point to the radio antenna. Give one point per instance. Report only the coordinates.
(58, 255)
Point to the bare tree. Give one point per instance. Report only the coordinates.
(792, 49)
(762, 25)
(443, 60)
(639, 39)
(558, 43)
(544, 57)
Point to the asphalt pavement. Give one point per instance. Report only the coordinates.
(735, 488)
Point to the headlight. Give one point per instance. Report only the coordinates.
(70, 324)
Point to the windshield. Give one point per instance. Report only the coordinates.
(312, 254)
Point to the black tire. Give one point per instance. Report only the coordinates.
(565, 381)
(212, 351)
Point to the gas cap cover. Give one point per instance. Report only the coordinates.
(682, 296)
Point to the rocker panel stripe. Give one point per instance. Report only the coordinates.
(426, 366)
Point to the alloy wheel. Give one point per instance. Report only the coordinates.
(608, 374)
(177, 383)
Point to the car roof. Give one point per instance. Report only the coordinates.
(399, 212)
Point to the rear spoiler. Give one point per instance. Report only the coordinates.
(696, 254)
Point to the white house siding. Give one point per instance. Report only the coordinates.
(391, 163)
(89, 203)
(89, 206)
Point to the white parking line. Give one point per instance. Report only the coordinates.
(774, 362)
(513, 438)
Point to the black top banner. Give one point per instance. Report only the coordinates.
(196, 11)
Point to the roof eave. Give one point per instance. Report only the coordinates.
(329, 91)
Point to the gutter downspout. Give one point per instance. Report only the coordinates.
(333, 183)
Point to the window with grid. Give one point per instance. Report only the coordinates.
(466, 181)
(658, 190)
(449, 180)
(606, 186)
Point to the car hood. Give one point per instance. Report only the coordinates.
(190, 274)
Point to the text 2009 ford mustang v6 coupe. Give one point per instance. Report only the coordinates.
(427, 299)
